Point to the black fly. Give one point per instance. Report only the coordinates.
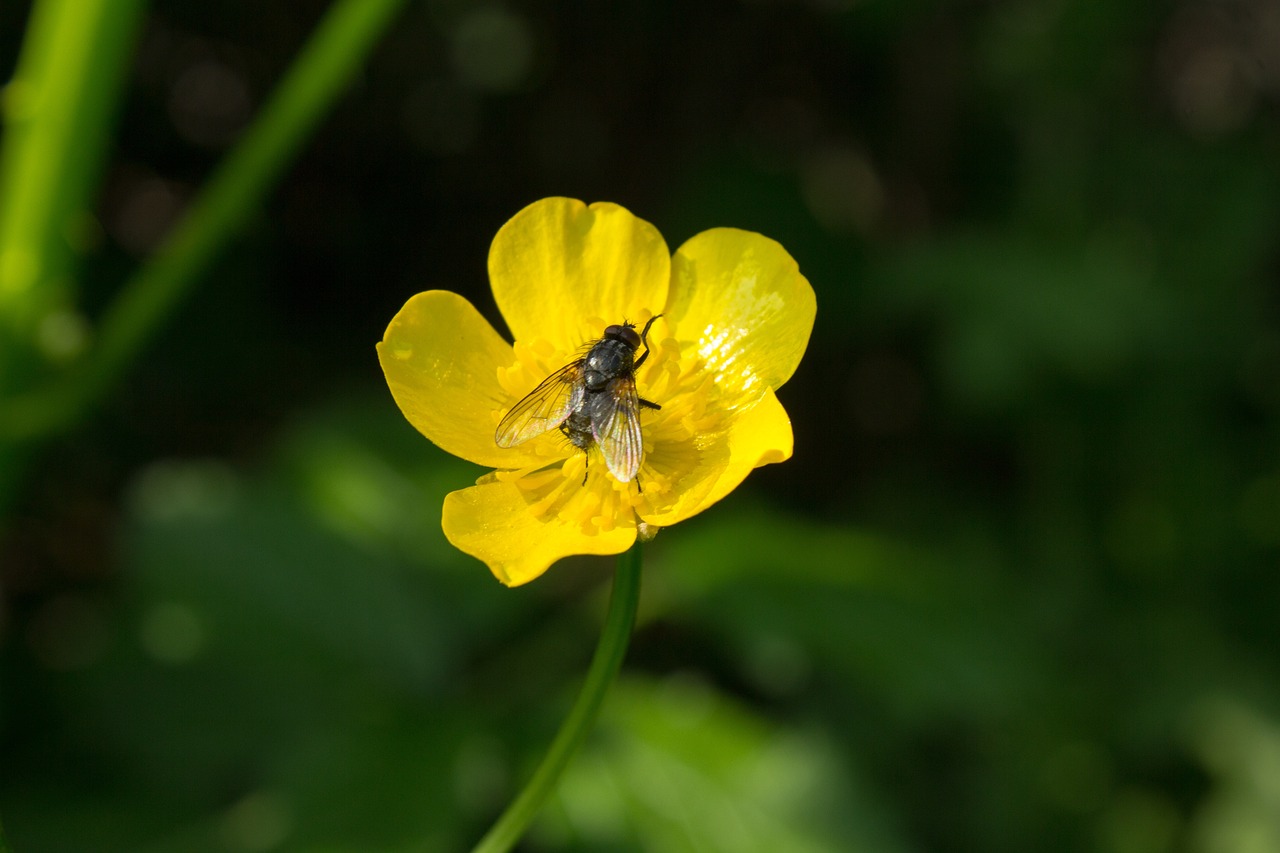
(592, 400)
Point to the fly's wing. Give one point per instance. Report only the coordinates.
(615, 425)
(544, 409)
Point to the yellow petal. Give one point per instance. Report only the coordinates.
(492, 522)
(698, 476)
(441, 360)
(558, 264)
(740, 298)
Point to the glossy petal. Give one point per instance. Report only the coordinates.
(558, 264)
(697, 475)
(492, 522)
(740, 298)
(441, 360)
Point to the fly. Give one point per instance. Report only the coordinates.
(593, 401)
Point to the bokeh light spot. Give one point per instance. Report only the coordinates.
(258, 822)
(145, 208)
(172, 632)
(62, 335)
(842, 190)
(492, 50)
(174, 490)
(209, 104)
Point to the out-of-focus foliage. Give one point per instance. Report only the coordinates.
(1015, 591)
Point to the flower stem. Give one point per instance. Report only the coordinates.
(509, 828)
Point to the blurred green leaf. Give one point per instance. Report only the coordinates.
(680, 767)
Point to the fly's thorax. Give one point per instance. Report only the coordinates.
(607, 360)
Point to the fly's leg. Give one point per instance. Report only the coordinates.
(644, 339)
(645, 404)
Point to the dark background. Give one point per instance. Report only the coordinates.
(1016, 590)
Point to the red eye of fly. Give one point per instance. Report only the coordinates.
(628, 336)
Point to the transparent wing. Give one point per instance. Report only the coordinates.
(615, 425)
(544, 408)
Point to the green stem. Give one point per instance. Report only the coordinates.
(58, 111)
(509, 828)
(320, 73)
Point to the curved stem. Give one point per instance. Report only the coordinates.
(509, 828)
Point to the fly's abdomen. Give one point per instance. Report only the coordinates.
(577, 428)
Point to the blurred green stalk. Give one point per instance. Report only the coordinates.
(58, 111)
(319, 74)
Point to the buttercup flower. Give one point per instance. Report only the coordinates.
(735, 320)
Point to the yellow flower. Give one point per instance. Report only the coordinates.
(736, 317)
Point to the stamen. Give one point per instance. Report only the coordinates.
(674, 436)
(532, 482)
(551, 501)
(535, 361)
(608, 510)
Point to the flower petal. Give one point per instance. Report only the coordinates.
(558, 263)
(743, 302)
(491, 521)
(760, 435)
(441, 360)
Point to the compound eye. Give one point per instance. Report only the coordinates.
(628, 336)
(614, 331)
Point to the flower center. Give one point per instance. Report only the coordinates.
(677, 439)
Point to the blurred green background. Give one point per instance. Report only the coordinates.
(1017, 590)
